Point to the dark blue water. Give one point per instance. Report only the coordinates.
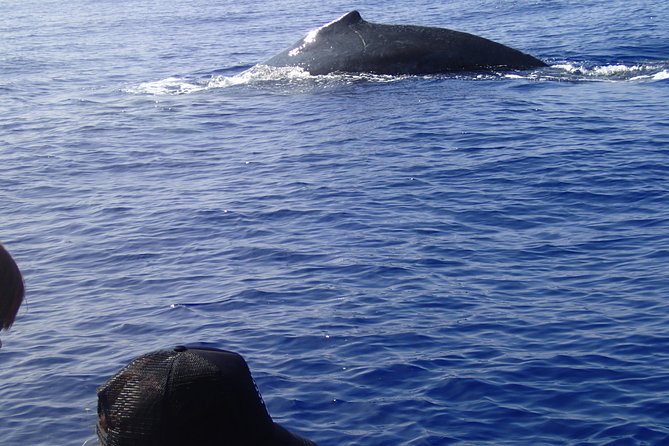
(470, 259)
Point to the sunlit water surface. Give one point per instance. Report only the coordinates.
(472, 259)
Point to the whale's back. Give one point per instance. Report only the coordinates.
(351, 44)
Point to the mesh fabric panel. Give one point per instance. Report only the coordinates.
(130, 405)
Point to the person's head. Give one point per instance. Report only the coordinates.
(187, 396)
(11, 289)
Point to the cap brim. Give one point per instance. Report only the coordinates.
(283, 437)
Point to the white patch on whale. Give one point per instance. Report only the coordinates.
(311, 37)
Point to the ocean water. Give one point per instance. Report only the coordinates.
(471, 259)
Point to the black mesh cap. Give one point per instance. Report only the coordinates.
(187, 397)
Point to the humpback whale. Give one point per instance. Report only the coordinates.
(352, 45)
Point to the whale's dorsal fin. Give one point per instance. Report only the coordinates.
(350, 18)
(341, 25)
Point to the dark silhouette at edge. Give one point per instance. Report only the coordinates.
(12, 289)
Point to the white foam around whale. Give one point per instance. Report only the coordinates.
(292, 76)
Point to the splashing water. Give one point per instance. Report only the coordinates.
(260, 74)
(613, 72)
